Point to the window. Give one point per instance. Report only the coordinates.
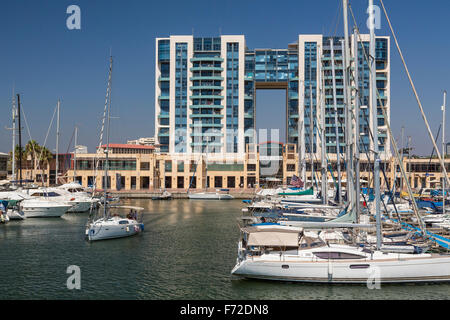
(337, 255)
(218, 182)
(231, 182)
(145, 166)
(290, 167)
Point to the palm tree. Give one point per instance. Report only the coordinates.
(17, 157)
(32, 150)
(45, 157)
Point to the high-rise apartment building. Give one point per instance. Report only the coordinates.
(205, 92)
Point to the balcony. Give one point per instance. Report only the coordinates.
(206, 97)
(200, 87)
(206, 69)
(206, 115)
(206, 106)
(206, 125)
(206, 78)
(198, 59)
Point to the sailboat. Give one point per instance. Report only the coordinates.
(111, 226)
(297, 253)
(221, 194)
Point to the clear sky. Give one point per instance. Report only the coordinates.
(44, 61)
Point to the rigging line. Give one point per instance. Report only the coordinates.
(96, 159)
(70, 142)
(391, 136)
(431, 156)
(43, 146)
(337, 18)
(416, 95)
(366, 151)
(31, 139)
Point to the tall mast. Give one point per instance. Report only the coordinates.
(322, 133)
(373, 104)
(357, 173)
(106, 164)
(20, 141)
(409, 159)
(443, 151)
(336, 124)
(13, 162)
(57, 142)
(75, 155)
(311, 119)
(401, 177)
(347, 102)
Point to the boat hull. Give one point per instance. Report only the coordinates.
(15, 215)
(104, 232)
(210, 196)
(80, 206)
(357, 272)
(45, 212)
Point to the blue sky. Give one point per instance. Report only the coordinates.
(45, 61)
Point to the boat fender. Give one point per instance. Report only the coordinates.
(128, 229)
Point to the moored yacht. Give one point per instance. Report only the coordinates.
(115, 226)
(288, 254)
(41, 208)
(218, 195)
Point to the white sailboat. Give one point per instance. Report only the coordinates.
(111, 226)
(288, 253)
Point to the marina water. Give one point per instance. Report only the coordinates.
(187, 251)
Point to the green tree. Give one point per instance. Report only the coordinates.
(32, 150)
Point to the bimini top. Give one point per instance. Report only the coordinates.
(273, 236)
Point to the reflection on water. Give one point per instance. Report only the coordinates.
(186, 252)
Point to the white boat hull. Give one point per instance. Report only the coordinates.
(101, 230)
(431, 269)
(210, 196)
(80, 206)
(15, 215)
(41, 211)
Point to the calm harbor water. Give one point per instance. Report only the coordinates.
(186, 252)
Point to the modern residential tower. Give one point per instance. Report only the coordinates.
(205, 93)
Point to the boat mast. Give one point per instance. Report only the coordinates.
(20, 141)
(75, 155)
(57, 141)
(443, 151)
(373, 104)
(13, 162)
(357, 107)
(311, 120)
(347, 102)
(105, 181)
(401, 177)
(336, 122)
(322, 133)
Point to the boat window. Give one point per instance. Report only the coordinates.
(337, 255)
(308, 243)
(123, 222)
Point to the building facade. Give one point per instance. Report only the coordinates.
(205, 93)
